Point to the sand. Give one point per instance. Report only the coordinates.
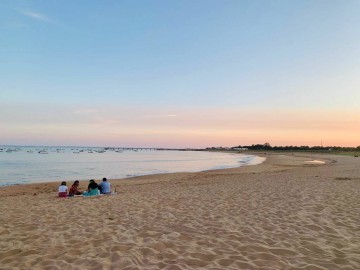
(286, 213)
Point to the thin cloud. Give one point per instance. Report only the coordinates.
(160, 116)
(102, 122)
(85, 111)
(35, 15)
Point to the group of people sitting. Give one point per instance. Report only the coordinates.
(93, 189)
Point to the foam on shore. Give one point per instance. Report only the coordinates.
(317, 162)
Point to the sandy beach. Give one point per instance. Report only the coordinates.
(287, 213)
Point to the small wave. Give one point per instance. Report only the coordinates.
(13, 183)
(251, 160)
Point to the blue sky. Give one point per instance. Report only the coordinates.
(181, 62)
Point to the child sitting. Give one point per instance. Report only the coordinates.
(63, 190)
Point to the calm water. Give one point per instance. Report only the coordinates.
(26, 165)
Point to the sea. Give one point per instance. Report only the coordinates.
(22, 165)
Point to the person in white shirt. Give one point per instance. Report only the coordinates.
(63, 189)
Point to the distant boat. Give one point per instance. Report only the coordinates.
(118, 151)
(43, 152)
(100, 151)
(13, 150)
(30, 151)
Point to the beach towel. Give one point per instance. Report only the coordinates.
(92, 192)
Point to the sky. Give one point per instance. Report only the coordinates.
(181, 73)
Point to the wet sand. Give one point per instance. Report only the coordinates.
(286, 213)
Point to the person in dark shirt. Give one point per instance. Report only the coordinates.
(92, 189)
(74, 190)
(92, 185)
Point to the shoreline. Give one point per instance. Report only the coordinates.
(223, 167)
(281, 214)
(35, 188)
(45, 187)
(117, 166)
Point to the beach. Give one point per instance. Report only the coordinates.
(286, 213)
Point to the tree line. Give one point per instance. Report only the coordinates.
(267, 146)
